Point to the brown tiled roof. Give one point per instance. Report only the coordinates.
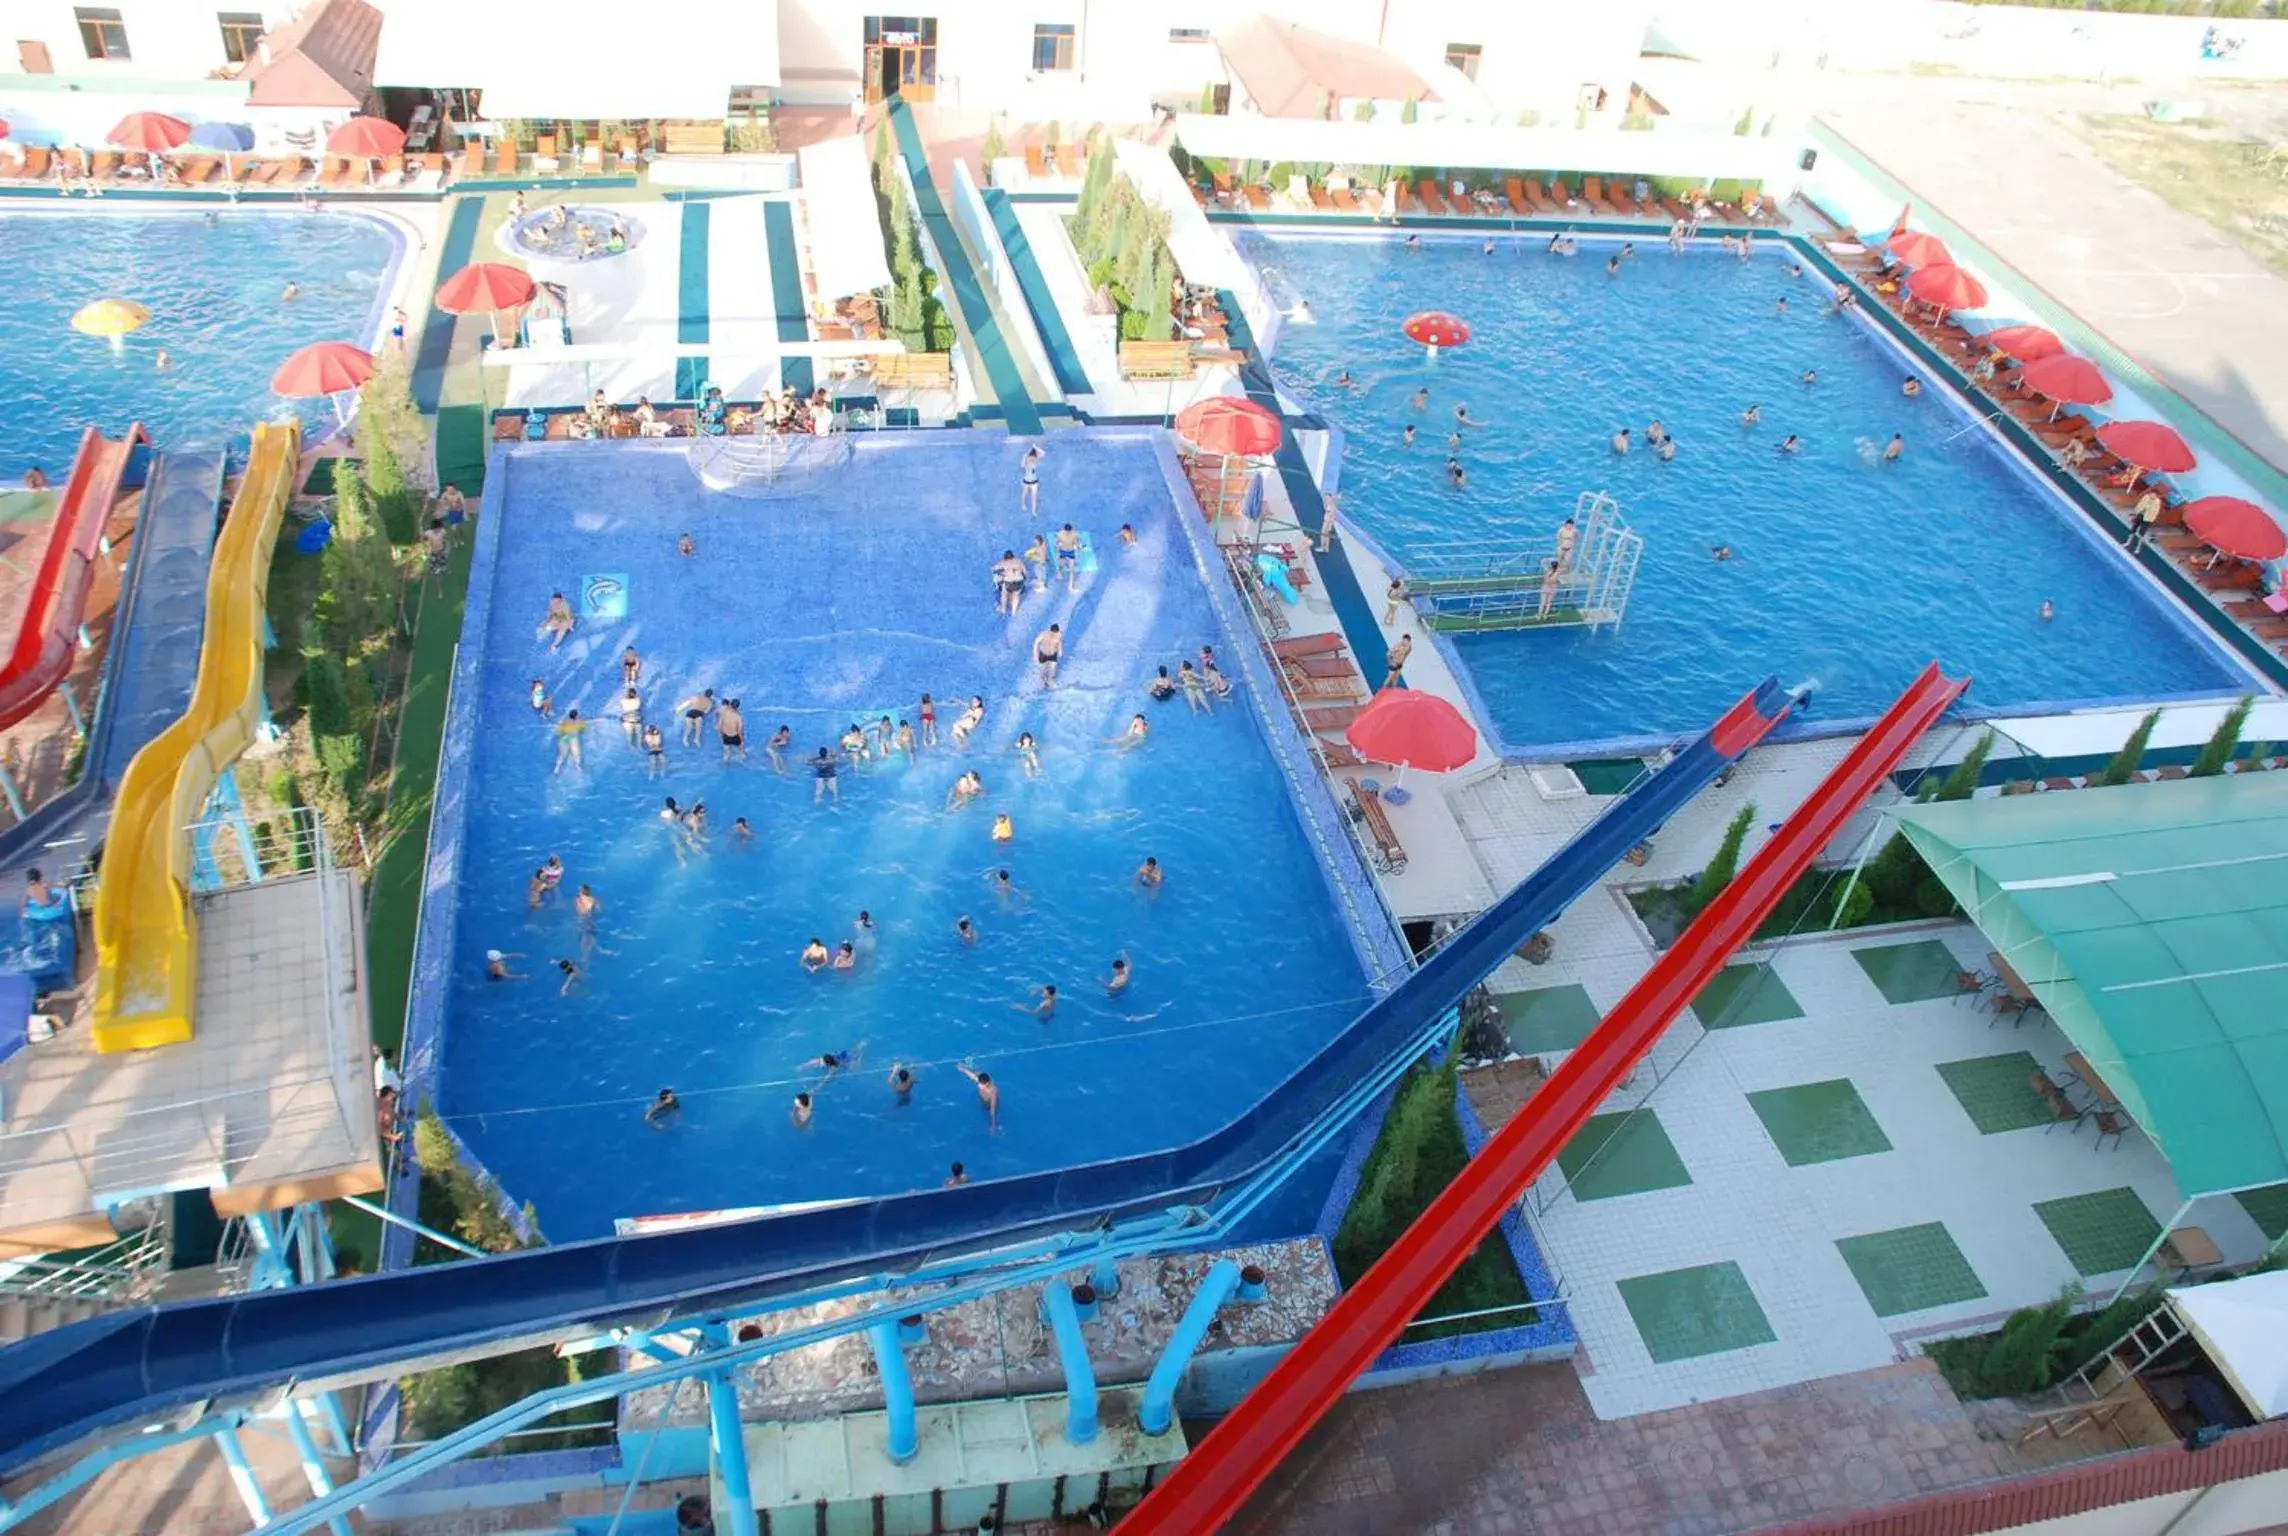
(322, 58)
(2071, 1490)
(1290, 71)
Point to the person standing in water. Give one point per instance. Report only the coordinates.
(780, 740)
(731, 726)
(1029, 483)
(988, 1094)
(568, 733)
(1048, 650)
(695, 711)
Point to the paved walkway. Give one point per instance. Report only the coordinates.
(1998, 157)
(1519, 1451)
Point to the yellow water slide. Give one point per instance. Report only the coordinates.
(146, 944)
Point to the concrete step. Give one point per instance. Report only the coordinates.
(23, 1316)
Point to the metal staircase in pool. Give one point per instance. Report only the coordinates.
(1497, 585)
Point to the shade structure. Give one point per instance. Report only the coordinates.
(484, 285)
(1436, 328)
(110, 317)
(2236, 527)
(2068, 379)
(2148, 445)
(2242, 1326)
(152, 131)
(323, 368)
(366, 137)
(1228, 424)
(1917, 249)
(2026, 343)
(845, 218)
(229, 138)
(1947, 286)
(1413, 729)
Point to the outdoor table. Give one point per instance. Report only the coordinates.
(2078, 1065)
(2190, 1248)
(2010, 978)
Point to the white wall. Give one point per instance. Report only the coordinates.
(2245, 1508)
(166, 39)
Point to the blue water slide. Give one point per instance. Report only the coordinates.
(125, 1368)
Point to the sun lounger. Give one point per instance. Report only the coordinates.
(1344, 199)
(1593, 193)
(1330, 719)
(504, 159)
(1542, 202)
(2230, 576)
(1343, 690)
(1307, 645)
(1074, 158)
(289, 170)
(36, 162)
(2272, 626)
(337, 172)
(1426, 193)
(1322, 200)
(472, 164)
(1384, 849)
(1339, 753)
(106, 165)
(1324, 664)
(1258, 197)
(392, 170)
(1519, 203)
(1624, 203)
(1035, 166)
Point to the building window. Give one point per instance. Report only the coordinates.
(101, 32)
(1464, 57)
(241, 31)
(1052, 45)
(1187, 34)
(902, 31)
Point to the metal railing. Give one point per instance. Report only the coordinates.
(125, 1271)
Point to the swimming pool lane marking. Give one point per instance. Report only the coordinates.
(691, 297)
(960, 278)
(437, 330)
(1352, 610)
(786, 294)
(1048, 320)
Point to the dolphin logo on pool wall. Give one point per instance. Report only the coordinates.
(605, 597)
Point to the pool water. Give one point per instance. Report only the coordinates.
(213, 286)
(840, 603)
(1846, 569)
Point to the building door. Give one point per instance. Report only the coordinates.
(34, 58)
(901, 58)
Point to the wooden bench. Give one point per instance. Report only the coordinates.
(1156, 360)
(914, 370)
(1384, 849)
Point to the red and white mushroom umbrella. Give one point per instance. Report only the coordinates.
(1434, 328)
(1413, 729)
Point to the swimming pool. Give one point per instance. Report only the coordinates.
(1845, 569)
(839, 603)
(212, 282)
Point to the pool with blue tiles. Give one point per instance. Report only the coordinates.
(842, 597)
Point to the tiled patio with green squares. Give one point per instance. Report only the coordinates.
(2102, 1232)
(1819, 1122)
(1740, 995)
(1683, 1314)
(1621, 1154)
(1545, 1020)
(1910, 1269)
(1997, 1092)
(2268, 1208)
(1917, 972)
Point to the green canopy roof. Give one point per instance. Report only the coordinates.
(2152, 922)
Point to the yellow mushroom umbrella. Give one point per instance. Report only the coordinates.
(112, 318)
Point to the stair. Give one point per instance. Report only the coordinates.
(23, 1316)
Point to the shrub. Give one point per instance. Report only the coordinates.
(1363, 112)
(1411, 111)
(1932, 899)
(995, 146)
(1710, 882)
(2039, 1346)
(1482, 1037)
(2126, 761)
(1207, 100)
(937, 326)
(1962, 781)
(1131, 325)
(2223, 742)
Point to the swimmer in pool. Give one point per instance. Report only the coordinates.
(1037, 556)
(1655, 433)
(1811, 376)
(1162, 688)
(958, 1176)
(901, 1081)
(1044, 1003)
(846, 956)
(802, 1111)
(1134, 737)
(1791, 444)
(695, 823)
(1127, 536)
(1049, 649)
(2047, 611)
(1008, 575)
(988, 1094)
(1780, 308)
(1456, 475)
(569, 730)
(496, 964)
(1911, 386)
(929, 721)
(1406, 438)
(965, 930)
(685, 547)
(1068, 557)
(741, 831)
(1005, 888)
(631, 717)
(664, 1108)
(971, 719)
(1720, 552)
(1896, 446)
(814, 955)
(695, 710)
(541, 704)
(1150, 875)
(776, 747)
(1421, 399)
(1668, 450)
(1463, 418)
(863, 932)
(1218, 684)
(291, 292)
(969, 787)
(853, 745)
(655, 751)
(823, 777)
(631, 668)
(1004, 830)
(559, 621)
(1751, 415)
(1122, 974)
(1343, 378)
(1612, 266)
(903, 739)
(1029, 750)
(573, 976)
(1621, 441)
(731, 726)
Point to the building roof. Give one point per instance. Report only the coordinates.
(1291, 71)
(2151, 920)
(322, 58)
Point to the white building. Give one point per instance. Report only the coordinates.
(136, 39)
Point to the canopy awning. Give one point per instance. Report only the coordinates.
(1698, 153)
(2242, 1326)
(2151, 920)
(322, 58)
(846, 255)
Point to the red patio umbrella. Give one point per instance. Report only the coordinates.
(2067, 379)
(2231, 526)
(2147, 445)
(2026, 343)
(485, 285)
(1414, 730)
(368, 138)
(155, 132)
(323, 368)
(1917, 249)
(1434, 328)
(1946, 286)
(1227, 424)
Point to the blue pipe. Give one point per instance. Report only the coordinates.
(313, 1464)
(731, 1454)
(88, 1468)
(1216, 1288)
(242, 1474)
(1072, 1349)
(897, 1392)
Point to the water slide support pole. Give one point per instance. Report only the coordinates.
(1072, 1350)
(272, 1271)
(1159, 1407)
(729, 1442)
(897, 1392)
(313, 1463)
(71, 703)
(242, 1474)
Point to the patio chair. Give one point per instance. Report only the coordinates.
(106, 165)
(2110, 1123)
(36, 163)
(1519, 203)
(472, 162)
(504, 158)
(1343, 198)
(2008, 1005)
(1973, 984)
(1426, 193)
(1258, 198)
(1622, 203)
(1073, 161)
(1322, 200)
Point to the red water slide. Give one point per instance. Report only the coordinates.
(41, 655)
(1210, 1485)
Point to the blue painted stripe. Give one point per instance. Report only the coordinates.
(1047, 318)
(786, 294)
(1352, 609)
(437, 330)
(691, 299)
(959, 279)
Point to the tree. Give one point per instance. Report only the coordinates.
(882, 150)
(2126, 761)
(1207, 101)
(1159, 315)
(1363, 112)
(995, 146)
(1710, 882)
(395, 503)
(906, 320)
(1411, 111)
(1390, 1192)
(357, 587)
(2222, 744)
(1962, 781)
